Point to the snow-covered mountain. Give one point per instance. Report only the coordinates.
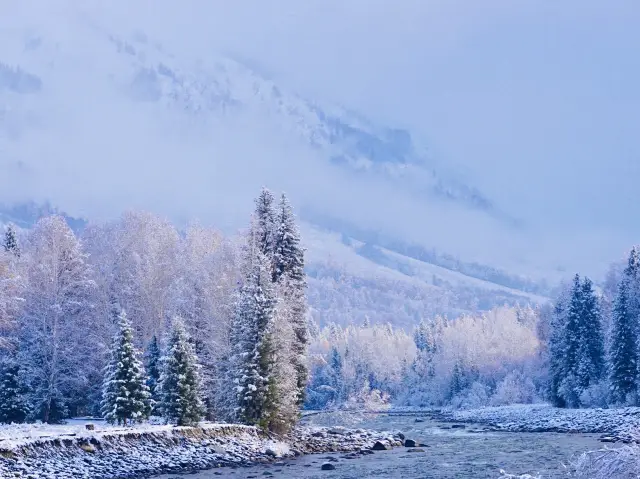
(97, 119)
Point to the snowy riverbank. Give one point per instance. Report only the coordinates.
(72, 451)
(615, 423)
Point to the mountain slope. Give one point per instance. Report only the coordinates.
(96, 119)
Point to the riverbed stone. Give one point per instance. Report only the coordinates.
(380, 446)
(327, 466)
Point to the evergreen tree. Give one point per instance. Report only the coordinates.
(576, 345)
(336, 364)
(152, 366)
(180, 380)
(11, 241)
(573, 328)
(125, 396)
(557, 360)
(13, 403)
(281, 405)
(420, 335)
(253, 352)
(288, 253)
(590, 368)
(623, 353)
(265, 223)
(458, 380)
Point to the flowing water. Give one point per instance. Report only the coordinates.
(449, 452)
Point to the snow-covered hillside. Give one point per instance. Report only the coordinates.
(97, 117)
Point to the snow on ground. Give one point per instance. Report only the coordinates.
(620, 423)
(71, 451)
(16, 435)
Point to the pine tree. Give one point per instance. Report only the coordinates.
(623, 354)
(125, 397)
(281, 406)
(288, 269)
(573, 327)
(13, 403)
(11, 241)
(336, 364)
(265, 223)
(591, 351)
(458, 380)
(557, 360)
(180, 380)
(288, 252)
(252, 342)
(152, 366)
(576, 345)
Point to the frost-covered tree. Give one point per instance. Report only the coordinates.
(136, 257)
(265, 224)
(181, 400)
(591, 366)
(11, 241)
(577, 345)
(153, 368)
(125, 397)
(12, 289)
(623, 341)
(13, 402)
(557, 361)
(253, 346)
(288, 271)
(282, 402)
(56, 335)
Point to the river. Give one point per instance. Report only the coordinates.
(449, 452)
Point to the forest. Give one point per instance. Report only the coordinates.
(221, 322)
(131, 317)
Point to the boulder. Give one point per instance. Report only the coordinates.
(419, 419)
(379, 446)
(415, 449)
(410, 443)
(271, 452)
(327, 466)
(90, 427)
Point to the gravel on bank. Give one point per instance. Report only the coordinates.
(614, 424)
(154, 450)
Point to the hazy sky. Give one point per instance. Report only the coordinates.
(535, 101)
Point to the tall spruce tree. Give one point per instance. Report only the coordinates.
(591, 365)
(265, 223)
(11, 241)
(623, 353)
(126, 397)
(577, 345)
(14, 407)
(253, 351)
(180, 388)
(557, 360)
(152, 366)
(624, 333)
(288, 269)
